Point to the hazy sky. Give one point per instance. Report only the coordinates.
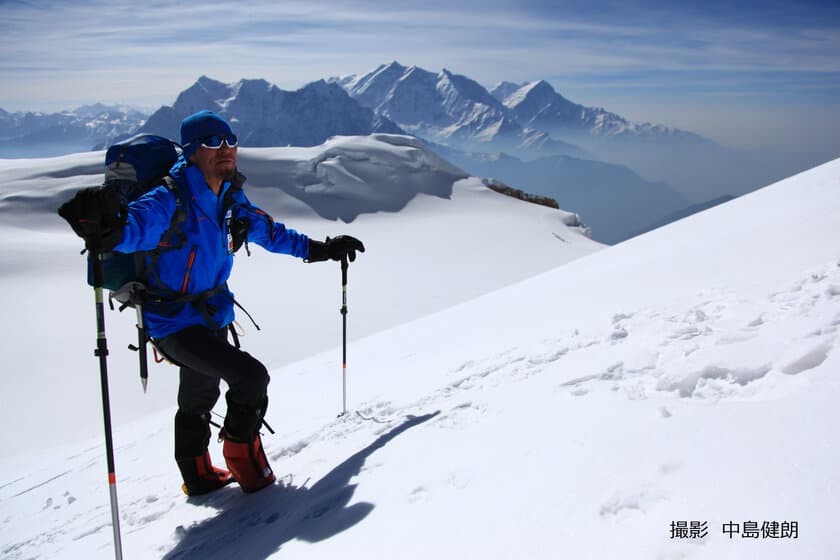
(746, 73)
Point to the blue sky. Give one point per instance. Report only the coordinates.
(744, 73)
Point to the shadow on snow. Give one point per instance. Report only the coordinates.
(257, 525)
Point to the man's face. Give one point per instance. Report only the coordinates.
(215, 164)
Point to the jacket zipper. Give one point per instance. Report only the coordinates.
(190, 263)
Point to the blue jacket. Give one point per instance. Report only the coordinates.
(204, 261)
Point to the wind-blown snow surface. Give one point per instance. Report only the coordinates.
(689, 374)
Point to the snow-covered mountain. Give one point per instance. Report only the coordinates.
(28, 134)
(341, 179)
(447, 108)
(265, 115)
(522, 134)
(487, 137)
(538, 105)
(533, 120)
(453, 109)
(585, 408)
(700, 169)
(349, 176)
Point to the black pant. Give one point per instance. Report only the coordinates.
(206, 357)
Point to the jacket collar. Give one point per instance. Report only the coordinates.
(201, 197)
(179, 173)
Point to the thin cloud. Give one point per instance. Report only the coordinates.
(62, 54)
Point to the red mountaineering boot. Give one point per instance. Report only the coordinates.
(247, 463)
(200, 476)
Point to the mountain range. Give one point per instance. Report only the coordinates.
(446, 106)
(537, 105)
(450, 109)
(264, 115)
(532, 120)
(32, 134)
(592, 161)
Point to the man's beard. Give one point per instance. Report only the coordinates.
(227, 175)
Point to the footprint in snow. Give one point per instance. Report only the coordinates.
(618, 334)
(757, 322)
(686, 333)
(618, 317)
(543, 359)
(670, 468)
(457, 414)
(810, 359)
(621, 504)
(418, 495)
(697, 383)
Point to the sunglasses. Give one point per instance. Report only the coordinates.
(215, 142)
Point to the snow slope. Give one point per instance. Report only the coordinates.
(689, 374)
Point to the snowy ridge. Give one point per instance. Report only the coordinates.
(447, 108)
(371, 89)
(343, 177)
(350, 175)
(518, 96)
(538, 105)
(687, 374)
(462, 110)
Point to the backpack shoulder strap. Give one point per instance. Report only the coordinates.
(181, 210)
(172, 238)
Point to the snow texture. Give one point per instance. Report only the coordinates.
(687, 374)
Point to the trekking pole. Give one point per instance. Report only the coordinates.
(102, 352)
(344, 266)
(133, 293)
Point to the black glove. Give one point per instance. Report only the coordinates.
(336, 249)
(97, 216)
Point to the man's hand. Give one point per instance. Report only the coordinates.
(338, 248)
(96, 215)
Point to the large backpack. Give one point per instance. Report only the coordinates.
(132, 168)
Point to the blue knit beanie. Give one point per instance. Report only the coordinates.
(198, 126)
